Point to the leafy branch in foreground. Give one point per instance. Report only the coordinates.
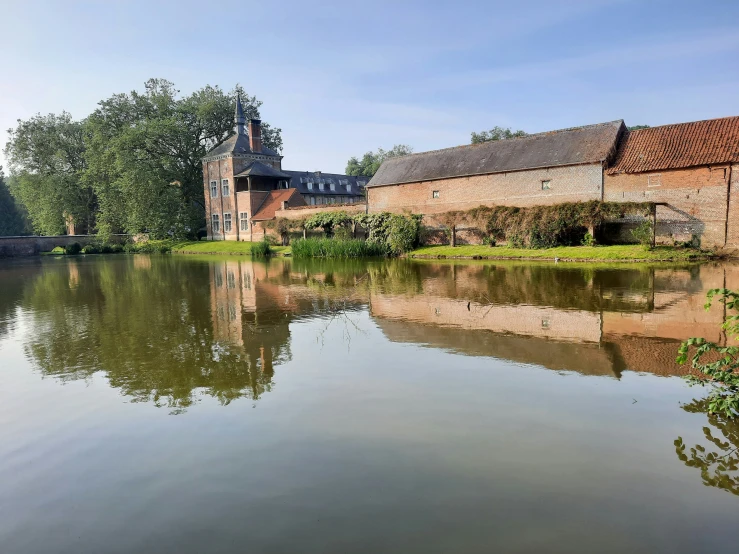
(717, 364)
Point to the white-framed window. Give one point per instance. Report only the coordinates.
(215, 223)
(227, 223)
(213, 189)
(321, 186)
(332, 186)
(244, 221)
(435, 194)
(310, 185)
(654, 180)
(361, 183)
(546, 185)
(348, 187)
(225, 189)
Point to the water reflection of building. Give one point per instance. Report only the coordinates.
(253, 304)
(594, 321)
(598, 323)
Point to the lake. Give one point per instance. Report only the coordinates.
(183, 404)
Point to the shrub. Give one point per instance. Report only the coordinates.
(721, 370)
(393, 233)
(331, 248)
(90, 249)
(328, 221)
(146, 247)
(545, 226)
(261, 250)
(588, 240)
(73, 248)
(642, 233)
(57, 250)
(114, 248)
(402, 234)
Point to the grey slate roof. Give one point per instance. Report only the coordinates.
(315, 177)
(258, 169)
(577, 145)
(238, 144)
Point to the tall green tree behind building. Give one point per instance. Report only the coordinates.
(134, 165)
(371, 161)
(496, 133)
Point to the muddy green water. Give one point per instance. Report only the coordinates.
(179, 404)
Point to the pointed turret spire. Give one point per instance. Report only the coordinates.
(239, 119)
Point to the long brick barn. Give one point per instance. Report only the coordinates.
(691, 168)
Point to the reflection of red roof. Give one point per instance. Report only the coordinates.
(274, 201)
(680, 145)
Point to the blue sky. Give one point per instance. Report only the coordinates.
(341, 78)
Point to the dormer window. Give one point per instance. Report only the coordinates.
(321, 186)
(348, 187)
(310, 185)
(333, 186)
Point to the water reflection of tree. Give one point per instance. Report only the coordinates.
(718, 460)
(148, 329)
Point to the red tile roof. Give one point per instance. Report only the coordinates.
(712, 141)
(274, 201)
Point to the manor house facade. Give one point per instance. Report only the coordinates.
(244, 184)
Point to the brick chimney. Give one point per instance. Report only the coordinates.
(255, 135)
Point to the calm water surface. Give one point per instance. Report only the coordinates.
(176, 404)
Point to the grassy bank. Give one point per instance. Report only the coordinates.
(222, 247)
(618, 253)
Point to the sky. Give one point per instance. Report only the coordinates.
(342, 78)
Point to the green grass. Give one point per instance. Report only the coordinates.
(222, 247)
(629, 252)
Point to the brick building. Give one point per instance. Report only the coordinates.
(546, 168)
(693, 168)
(690, 169)
(244, 184)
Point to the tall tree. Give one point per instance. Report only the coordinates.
(47, 160)
(496, 133)
(133, 165)
(145, 153)
(371, 161)
(12, 220)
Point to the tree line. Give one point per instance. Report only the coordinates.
(133, 165)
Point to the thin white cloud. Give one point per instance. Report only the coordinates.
(612, 59)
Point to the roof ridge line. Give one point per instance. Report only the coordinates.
(684, 123)
(532, 135)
